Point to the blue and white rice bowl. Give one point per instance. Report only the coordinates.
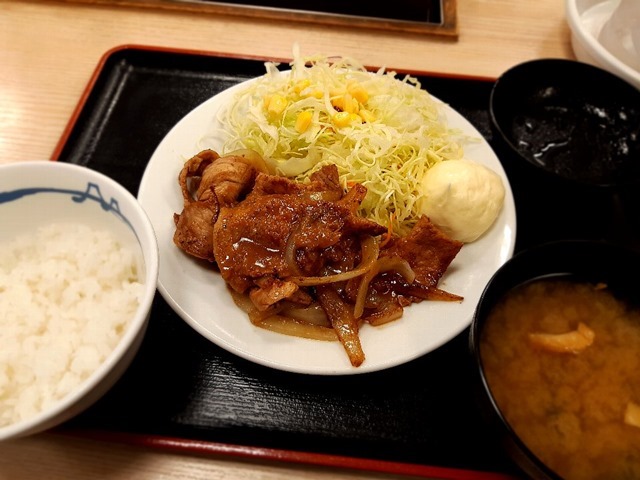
(45, 196)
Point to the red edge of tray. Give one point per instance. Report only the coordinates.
(206, 448)
(251, 452)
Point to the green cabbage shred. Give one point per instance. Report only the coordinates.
(389, 153)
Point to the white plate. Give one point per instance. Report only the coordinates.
(199, 295)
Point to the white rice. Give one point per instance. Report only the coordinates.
(67, 293)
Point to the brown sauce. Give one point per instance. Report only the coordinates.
(568, 408)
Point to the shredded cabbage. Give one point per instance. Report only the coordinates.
(381, 131)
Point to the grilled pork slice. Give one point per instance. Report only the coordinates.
(427, 249)
(264, 231)
(208, 181)
(284, 229)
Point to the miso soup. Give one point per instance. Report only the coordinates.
(562, 360)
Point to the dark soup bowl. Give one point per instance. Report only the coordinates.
(569, 120)
(555, 346)
(568, 135)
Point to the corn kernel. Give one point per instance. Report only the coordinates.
(277, 104)
(341, 119)
(359, 93)
(301, 85)
(351, 104)
(338, 103)
(355, 118)
(303, 121)
(346, 103)
(344, 119)
(366, 115)
(314, 93)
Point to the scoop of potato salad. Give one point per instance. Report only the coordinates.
(462, 197)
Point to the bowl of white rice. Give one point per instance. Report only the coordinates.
(78, 273)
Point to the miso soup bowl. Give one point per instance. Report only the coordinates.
(588, 260)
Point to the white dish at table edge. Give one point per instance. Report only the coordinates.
(198, 294)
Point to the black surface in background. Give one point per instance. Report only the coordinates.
(180, 384)
(429, 11)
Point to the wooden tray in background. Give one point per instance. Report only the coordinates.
(433, 17)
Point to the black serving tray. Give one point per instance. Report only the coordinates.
(182, 391)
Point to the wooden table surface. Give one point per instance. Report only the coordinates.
(49, 50)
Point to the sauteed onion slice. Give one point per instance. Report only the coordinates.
(297, 328)
(295, 321)
(344, 323)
